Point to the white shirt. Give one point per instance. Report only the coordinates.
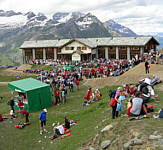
(61, 129)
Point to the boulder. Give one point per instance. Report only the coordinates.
(105, 144)
(155, 137)
(132, 142)
(107, 128)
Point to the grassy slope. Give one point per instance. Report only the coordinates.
(88, 119)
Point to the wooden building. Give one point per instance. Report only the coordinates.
(80, 49)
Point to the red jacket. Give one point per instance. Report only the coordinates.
(24, 112)
(56, 93)
(20, 104)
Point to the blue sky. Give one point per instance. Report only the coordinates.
(140, 15)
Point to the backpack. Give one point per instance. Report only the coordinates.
(112, 102)
(112, 93)
(161, 114)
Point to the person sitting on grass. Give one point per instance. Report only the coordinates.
(58, 130)
(137, 105)
(67, 123)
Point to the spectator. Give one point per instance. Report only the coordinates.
(137, 105)
(42, 118)
(26, 114)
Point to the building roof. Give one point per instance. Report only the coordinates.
(25, 85)
(92, 42)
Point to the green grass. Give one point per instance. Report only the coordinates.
(87, 117)
(6, 78)
(43, 67)
(89, 123)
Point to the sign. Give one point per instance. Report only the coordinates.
(76, 57)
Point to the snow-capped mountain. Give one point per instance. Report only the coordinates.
(122, 30)
(16, 27)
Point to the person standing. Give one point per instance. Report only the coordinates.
(87, 95)
(26, 115)
(42, 118)
(71, 86)
(20, 106)
(147, 66)
(11, 103)
(77, 84)
(57, 97)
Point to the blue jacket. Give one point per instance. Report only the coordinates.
(42, 116)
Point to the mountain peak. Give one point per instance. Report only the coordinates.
(9, 13)
(116, 27)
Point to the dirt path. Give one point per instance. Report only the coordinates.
(132, 76)
(3, 83)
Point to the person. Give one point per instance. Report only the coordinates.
(87, 95)
(114, 106)
(63, 95)
(57, 97)
(42, 118)
(26, 114)
(77, 84)
(137, 105)
(11, 103)
(67, 123)
(20, 106)
(58, 130)
(71, 86)
(12, 114)
(147, 67)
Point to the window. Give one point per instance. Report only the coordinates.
(84, 48)
(135, 48)
(78, 48)
(122, 47)
(67, 48)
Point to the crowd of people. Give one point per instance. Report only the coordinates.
(63, 80)
(139, 96)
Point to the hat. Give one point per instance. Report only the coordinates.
(118, 88)
(45, 110)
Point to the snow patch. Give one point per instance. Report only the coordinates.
(13, 21)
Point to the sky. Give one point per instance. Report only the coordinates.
(142, 16)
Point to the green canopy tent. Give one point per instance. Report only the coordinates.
(38, 93)
(70, 67)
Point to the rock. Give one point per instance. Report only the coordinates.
(95, 138)
(126, 146)
(133, 142)
(91, 148)
(96, 127)
(107, 128)
(137, 141)
(160, 141)
(155, 137)
(155, 133)
(105, 144)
